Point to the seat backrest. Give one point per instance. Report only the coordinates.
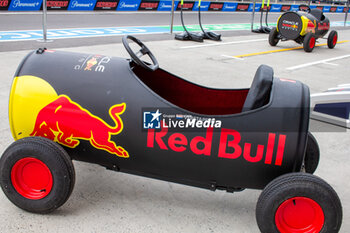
(317, 13)
(259, 92)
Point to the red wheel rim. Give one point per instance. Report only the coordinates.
(335, 38)
(31, 178)
(299, 214)
(312, 42)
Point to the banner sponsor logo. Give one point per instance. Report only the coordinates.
(320, 8)
(276, 8)
(215, 6)
(25, 5)
(187, 6)
(326, 8)
(204, 6)
(229, 6)
(294, 8)
(340, 9)
(333, 9)
(106, 5)
(242, 7)
(57, 4)
(81, 5)
(285, 8)
(4, 4)
(128, 5)
(149, 5)
(257, 7)
(166, 5)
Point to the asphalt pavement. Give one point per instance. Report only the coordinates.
(107, 201)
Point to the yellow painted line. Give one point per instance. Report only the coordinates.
(282, 50)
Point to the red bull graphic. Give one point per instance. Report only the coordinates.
(229, 140)
(66, 122)
(90, 63)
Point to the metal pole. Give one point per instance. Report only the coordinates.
(172, 16)
(44, 23)
(346, 13)
(309, 3)
(44, 20)
(253, 13)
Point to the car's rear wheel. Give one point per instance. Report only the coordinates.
(298, 202)
(309, 42)
(36, 174)
(273, 37)
(332, 39)
(312, 154)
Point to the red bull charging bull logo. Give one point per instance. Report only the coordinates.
(66, 122)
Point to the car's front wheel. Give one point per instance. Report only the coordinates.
(36, 174)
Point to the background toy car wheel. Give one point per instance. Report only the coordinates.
(332, 39)
(36, 174)
(309, 42)
(273, 37)
(312, 154)
(298, 202)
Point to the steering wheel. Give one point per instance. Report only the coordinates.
(143, 51)
(304, 7)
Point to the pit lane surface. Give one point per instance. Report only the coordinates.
(17, 22)
(106, 201)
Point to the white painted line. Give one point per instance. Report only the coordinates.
(221, 43)
(317, 62)
(237, 58)
(332, 64)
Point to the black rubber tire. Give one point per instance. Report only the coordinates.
(273, 37)
(333, 35)
(306, 43)
(312, 154)
(54, 157)
(298, 185)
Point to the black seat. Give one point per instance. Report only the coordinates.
(318, 14)
(259, 92)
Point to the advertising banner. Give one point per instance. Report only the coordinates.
(128, 5)
(333, 9)
(230, 6)
(326, 8)
(165, 5)
(340, 9)
(294, 7)
(216, 6)
(242, 7)
(148, 5)
(106, 5)
(320, 8)
(285, 8)
(25, 5)
(257, 7)
(56, 5)
(187, 6)
(4, 4)
(81, 5)
(276, 8)
(204, 6)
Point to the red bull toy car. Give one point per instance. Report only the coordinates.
(134, 117)
(304, 27)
